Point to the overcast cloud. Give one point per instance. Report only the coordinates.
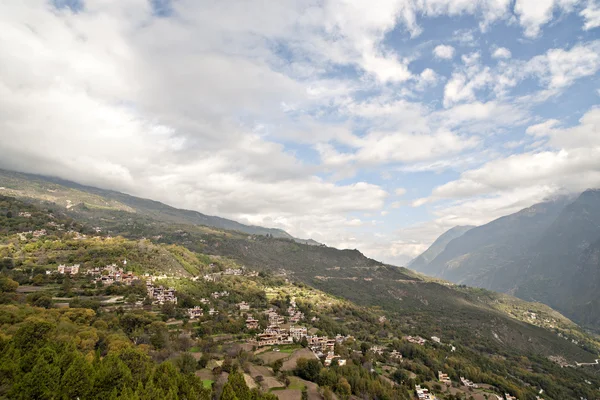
(364, 125)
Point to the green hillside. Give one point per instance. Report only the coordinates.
(70, 194)
(505, 344)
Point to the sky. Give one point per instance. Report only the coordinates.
(374, 125)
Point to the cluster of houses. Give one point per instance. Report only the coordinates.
(35, 234)
(230, 272)
(160, 294)
(415, 339)
(195, 312)
(217, 295)
(68, 269)
(111, 274)
(295, 315)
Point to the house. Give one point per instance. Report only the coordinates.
(422, 394)
(195, 312)
(509, 397)
(232, 271)
(468, 383)
(382, 319)
(243, 306)
(298, 332)
(40, 233)
(395, 355)
(415, 339)
(204, 300)
(209, 278)
(69, 270)
(341, 362)
(160, 295)
(436, 339)
(251, 323)
(377, 350)
(212, 311)
(444, 378)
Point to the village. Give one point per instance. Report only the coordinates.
(280, 330)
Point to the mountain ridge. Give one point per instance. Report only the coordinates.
(125, 202)
(532, 254)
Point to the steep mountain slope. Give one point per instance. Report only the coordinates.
(70, 194)
(491, 255)
(564, 269)
(438, 246)
(543, 253)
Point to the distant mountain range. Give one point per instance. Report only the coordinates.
(549, 252)
(73, 195)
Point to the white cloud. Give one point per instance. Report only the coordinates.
(444, 52)
(502, 53)
(571, 165)
(216, 107)
(559, 68)
(591, 15)
(534, 14)
(391, 147)
(542, 129)
(400, 191)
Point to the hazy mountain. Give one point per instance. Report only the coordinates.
(548, 253)
(438, 246)
(70, 194)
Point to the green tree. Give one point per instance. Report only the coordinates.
(8, 285)
(228, 393)
(43, 379)
(203, 361)
(77, 381)
(112, 374)
(308, 369)
(277, 365)
(186, 363)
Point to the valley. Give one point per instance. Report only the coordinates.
(334, 323)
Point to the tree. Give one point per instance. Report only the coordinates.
(343, 388)
(228, 393)
(78, 379)
(238, 384)
(186, 363)
(277, 366)
(8, 285)
(41, 383)
(308, 369)
(304, 342)
(304, 393)
(203, 361)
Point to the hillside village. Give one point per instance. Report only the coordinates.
(214, 318)
(280, 331)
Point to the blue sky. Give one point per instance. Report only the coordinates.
(369, 125)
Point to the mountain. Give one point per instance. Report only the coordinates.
(510, 345)
(543, 253)
(71, 194)
(438, 246)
